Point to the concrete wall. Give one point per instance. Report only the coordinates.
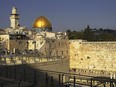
(93, 55)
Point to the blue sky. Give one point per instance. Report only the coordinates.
(64, 14)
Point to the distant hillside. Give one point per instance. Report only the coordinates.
(93, 34)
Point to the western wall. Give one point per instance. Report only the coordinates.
(95, 56)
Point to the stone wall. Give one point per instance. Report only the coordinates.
(93, 55)
(55, 48)
(4, 41)
(18, 44)
(50, 47)
(52, 65)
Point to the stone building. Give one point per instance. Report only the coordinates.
(40, 38)
(47, 42)
(15, 27)
(4, 41)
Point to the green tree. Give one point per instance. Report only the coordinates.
(88, 34)
(106, 37)
(69, 33)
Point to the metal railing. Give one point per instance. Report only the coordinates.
(46, 78)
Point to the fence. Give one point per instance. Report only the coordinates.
(45, 78)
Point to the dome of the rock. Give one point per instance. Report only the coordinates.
(42, 23)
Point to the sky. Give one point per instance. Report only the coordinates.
(63, 14)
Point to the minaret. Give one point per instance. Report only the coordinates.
(14, 17)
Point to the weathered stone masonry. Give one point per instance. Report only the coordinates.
(93, 55)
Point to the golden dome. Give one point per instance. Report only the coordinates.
(42, 22)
